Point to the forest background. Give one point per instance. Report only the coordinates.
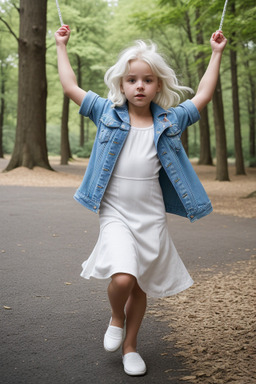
(100, 30)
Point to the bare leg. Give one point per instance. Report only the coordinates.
(119, 291)
(135, 310)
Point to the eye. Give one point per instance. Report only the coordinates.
(131, 80)
(149, 81)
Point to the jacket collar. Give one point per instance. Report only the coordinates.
(163, 118)
(156, 110)
(123, 115)
(117, 117)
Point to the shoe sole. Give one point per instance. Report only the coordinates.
(130, 373)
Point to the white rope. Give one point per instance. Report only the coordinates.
(59, 12)
(223, 15)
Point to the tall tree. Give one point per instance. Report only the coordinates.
(65, 152)
(2, 106)
(205, 156)
(80, 83)
(30, 143)
(220, 134)
(240, 170)
(8, 53)
(252, 115)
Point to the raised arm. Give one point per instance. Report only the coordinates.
(66, 73)
(208, 82)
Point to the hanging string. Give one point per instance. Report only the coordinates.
(223, 15)
(59, 12)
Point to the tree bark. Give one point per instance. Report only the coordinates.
(2, 108)
(30, 148)
(65, 152)
(252, 113)
(240, 170)
(251, 107)
(205, 156)
(79, 81)
(220, 133)
(185, 134)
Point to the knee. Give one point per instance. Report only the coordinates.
(123, 281)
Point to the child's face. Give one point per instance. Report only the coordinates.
(140, 85)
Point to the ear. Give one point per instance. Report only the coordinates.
(121, 86)
(159, 88)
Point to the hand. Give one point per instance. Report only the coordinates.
(62, 35)
(218, 41)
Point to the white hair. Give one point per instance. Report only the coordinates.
(170, 93)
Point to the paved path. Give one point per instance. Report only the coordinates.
(53, 332)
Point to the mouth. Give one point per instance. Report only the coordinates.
(140, 95)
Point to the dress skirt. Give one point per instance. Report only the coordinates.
(134, 238)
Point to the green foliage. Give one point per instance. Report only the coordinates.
(101, 29)
(8, 138)
(84, 151)
(8, 73)
(176, 21)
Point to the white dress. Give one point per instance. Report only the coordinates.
(134, 236)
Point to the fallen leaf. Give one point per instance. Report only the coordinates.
(213, 325)
(185, 378)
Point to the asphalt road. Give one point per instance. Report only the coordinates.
(53, 321)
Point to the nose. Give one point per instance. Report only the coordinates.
(140, 84)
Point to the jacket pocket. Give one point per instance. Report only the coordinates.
(105, 134)
(173, 136)
(108, 124)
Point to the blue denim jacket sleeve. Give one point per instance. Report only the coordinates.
(187, 114)
(87, 109)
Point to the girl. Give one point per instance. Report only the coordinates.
(138, 170)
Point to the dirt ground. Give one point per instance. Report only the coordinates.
(212, 323)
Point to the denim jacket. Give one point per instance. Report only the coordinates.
(183, 193)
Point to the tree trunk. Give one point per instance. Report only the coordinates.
(252, 113)
(185, 134)
(240, 170)
(30, 148)
(205, 156)
(79, 81)
(2, 108)
(220, 133)
(251, 106)
(252, 136)
(65, 152)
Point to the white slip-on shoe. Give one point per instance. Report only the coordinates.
(134, 365)
(113, 338)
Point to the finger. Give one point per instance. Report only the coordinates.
(64, 30)
(218, 36)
